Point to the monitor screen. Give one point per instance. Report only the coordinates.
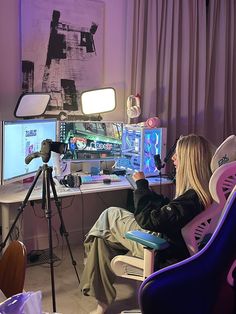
(20, 139)
(91, 140)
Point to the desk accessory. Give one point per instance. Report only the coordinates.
(117, 171)
(75, 180)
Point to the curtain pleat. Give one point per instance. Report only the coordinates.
(183, 65)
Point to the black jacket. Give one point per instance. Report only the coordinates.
(156, 213)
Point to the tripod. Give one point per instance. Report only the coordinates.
(47, 182)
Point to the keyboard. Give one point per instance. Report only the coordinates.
(102, 178)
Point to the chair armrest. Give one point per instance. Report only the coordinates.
(147, 239)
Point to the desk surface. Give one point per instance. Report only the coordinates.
(16, 192)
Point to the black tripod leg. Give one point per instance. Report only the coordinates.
(63, 229)
(21, 208)
(46, 206)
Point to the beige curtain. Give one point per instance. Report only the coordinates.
(181, 66)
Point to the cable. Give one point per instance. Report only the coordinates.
(56, 235)
(82, 213)
(99, 196)
(70, 204)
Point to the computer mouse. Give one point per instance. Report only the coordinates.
(107, 181)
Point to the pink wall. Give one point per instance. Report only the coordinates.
(10, 57)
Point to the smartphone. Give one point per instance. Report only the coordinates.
(131, 181)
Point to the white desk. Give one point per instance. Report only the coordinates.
(16, 193)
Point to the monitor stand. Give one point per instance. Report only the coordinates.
(91, 167)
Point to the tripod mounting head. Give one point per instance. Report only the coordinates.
(47, 146)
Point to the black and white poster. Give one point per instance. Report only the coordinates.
(62, 50)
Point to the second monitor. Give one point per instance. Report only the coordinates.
(91, 140)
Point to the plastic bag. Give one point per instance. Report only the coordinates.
(23, 303)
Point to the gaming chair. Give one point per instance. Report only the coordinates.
(198, 285)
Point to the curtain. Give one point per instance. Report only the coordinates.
(220, 113)
(181, 66)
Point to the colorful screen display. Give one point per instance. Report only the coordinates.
(139, 147)
(91, 140)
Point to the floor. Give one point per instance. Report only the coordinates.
(68, 299)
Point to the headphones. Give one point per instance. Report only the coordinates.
(72, 181)
(133, 106)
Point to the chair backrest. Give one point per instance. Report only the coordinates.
(226, 152)
(199, 283)
(12, 269)
(200, 228)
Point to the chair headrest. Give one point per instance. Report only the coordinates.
(226, 152)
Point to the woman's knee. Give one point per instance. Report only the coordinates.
(114, 211)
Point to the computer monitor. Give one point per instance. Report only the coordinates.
(21, 138)
(91, 140)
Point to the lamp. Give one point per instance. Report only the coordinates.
(31, 105)
(94, 101)
(98, 100)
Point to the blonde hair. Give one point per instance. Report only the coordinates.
(194, 155)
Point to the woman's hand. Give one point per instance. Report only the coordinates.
(138, 175)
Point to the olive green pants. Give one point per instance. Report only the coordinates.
(103, 242)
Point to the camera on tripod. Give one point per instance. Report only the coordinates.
(47, 146)
(34, 105)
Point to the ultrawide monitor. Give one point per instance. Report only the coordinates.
(91, 140)
(20, 139)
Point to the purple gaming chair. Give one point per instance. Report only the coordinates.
(198, 285)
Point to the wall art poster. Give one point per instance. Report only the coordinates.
(62, 50)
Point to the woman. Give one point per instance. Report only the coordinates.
(153, 213)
